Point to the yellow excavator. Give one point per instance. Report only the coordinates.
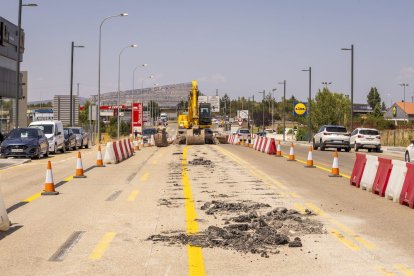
(192, 125)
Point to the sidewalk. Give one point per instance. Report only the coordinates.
(10, 162)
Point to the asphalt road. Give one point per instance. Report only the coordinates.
(105, 224)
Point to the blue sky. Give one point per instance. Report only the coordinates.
(239, 47)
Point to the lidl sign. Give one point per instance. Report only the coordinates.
(299, 109)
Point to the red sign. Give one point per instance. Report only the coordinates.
(136, 118)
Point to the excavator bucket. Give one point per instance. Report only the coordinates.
(161, 138)
(195, 137)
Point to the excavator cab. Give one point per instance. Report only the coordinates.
(205, 115)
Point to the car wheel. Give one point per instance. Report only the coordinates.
(407, 157)
(46, 154)
(55, 150)
(63, 149)
(322, 146)
(348, 149)
(38, 154)
(369, 150)
(87, 145)
(356, 148)
(378, 149)
(74, 147)
(315, 147)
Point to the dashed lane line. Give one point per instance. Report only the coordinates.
(195, 253)
(144, 177)
(133, 195)
(102, 246)
(404, 269)
(383, 271)
(348, 243)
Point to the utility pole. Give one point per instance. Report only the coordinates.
(309, 103)
(263, 108)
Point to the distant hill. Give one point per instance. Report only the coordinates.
(81, 100)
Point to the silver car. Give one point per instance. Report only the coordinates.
(82, 137)
(331, 136)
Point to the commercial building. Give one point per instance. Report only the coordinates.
(400, 111)
(8, 81)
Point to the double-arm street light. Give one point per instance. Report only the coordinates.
(19, 40)
(326, 83)
(98, 117)
(119, 84)
(284, 108)
(133, 79)
(309, 103)
(263, 108)
(352, 84)
(404, 85)
(71, 108)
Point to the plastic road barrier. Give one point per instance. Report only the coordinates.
(110, 157)
(407, 191)
(266, 140)
(358, 169)
(396, 181)
(118, 152)
(370, 172)
(383, 175)
(4, 219)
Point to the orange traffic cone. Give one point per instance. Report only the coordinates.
(335, 165)
(99, 161)
(79, 167)
(291, 153)
(278, 149)
(49, 184)
(309, 162)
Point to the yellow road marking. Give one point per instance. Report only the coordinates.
(133, 195)
(33, 197)
(299, 207)
(195, 254)
(317, 210)
(101, 247)
(348, 243)
(405, 270)
(383, 271)
(69, 178)
(144, 177)
(295, 195)
(368, 245)
(154, 162)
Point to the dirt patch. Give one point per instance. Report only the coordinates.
(249, 231)
(200, 161)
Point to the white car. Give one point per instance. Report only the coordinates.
(365, 138)
(330, 136)
(409, 152)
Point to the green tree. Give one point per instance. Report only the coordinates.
(373, 97)
(377, 111)
(329, 108)
(83, 115)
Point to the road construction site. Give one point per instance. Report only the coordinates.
(203, 209)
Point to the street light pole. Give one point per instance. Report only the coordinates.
(119, 84)
(404, 85)
(272, 99)
(309, 103)
(18, 82)
(133, 79)
(284, 108)
(71, 105)
(142, 88)
(98, 115)
(263, 108)
(352, 84)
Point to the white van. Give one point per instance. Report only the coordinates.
(54, 133)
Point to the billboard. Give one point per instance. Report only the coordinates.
(213, 100)
(136, 118)
(299, 109)
(243, 114)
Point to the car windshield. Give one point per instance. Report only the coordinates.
(336, 129)
(244, 131)
(47, 129)
(76, 130)
(22, 133)
(66, 131)
(148, 131)
(368, 132)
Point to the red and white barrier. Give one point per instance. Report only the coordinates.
(117, 151)
(265, 141)
(393, 179)
(370, 172)
(271, 147)
(255, 143)
(396, 181)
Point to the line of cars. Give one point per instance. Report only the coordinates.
(42, 138)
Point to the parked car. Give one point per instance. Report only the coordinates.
(82, 137)
(261, 134)
(54, 133)
(365, 138)
(25, 142)
(70, 139)
(331, 136)
(409, 152)
(147, 132)
(243, 134)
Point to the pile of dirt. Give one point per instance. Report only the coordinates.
(200, 161)
(221, 206)
(250, 231)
